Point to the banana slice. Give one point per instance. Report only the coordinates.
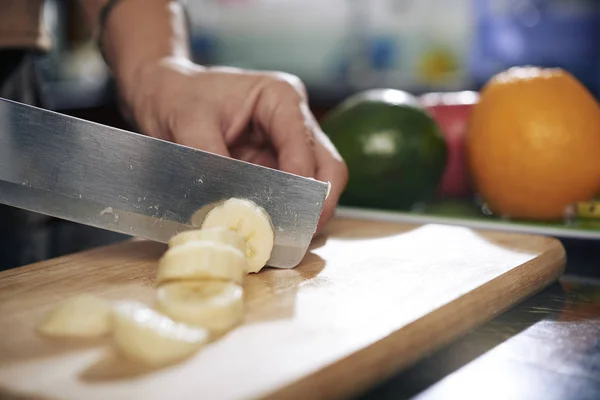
(217, 234)
(144, 335)
(214, 305)
(82, 316)
(202, 260)
(251, 222)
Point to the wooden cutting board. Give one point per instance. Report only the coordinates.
(368, 299)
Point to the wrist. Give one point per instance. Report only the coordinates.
(137, 33)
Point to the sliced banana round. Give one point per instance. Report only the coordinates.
(82, 316)
(202, 260)
(217, 234)
(252, 223)
(214, 305)
(148, 337)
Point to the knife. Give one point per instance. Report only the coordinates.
(126, 182)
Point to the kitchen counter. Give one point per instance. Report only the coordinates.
(548, 347)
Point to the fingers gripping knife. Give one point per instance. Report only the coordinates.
(126, 182)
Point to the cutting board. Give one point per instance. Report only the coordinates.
(368, 299)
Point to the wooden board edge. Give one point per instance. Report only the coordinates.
(387, 357)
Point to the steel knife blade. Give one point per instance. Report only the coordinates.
(89, 173)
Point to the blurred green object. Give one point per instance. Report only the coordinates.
(395, 152)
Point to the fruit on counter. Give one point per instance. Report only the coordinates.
(451, 111)
(395, 152)
(150, 338)
(585, 209)
(251, 222)
(214, 305)
(201, 260)
(83, 316)
(533, 143)
(217, 234)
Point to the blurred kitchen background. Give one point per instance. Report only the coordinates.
(341, 46)
(337, 47)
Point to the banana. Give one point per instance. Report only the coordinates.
(252, 223)
(82, 316)
(202, 260)
(216, 234)
(214, 305)
(146, 336)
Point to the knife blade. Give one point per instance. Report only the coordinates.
(127, 182)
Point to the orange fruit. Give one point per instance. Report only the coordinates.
(533, 143)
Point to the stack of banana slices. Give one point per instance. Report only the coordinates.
(199, 293)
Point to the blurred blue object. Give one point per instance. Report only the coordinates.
(382, 52)
(547, 33)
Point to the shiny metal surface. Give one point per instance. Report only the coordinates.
(133, 184)
(546, 348)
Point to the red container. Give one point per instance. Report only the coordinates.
(451, 112)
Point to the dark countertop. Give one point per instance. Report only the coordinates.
(547, 347)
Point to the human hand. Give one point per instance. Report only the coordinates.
(258, 117)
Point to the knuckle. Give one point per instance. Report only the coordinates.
(340, 171)
(295, 81)
(343, 172)
(289, 84)
(345, 177)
